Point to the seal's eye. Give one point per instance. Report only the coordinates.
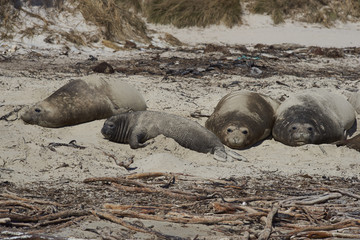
(245, 132)
(110, 125)
(310, 129)
(37, 110)
(293, 128)
(229, 130)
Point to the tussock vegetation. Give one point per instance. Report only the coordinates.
(325, 12)
(186, 13)
(8, 15)
(117, 21)
(120, 20)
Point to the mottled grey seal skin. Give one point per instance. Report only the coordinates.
(135, 128)
(354, 100)
(313, 117)
(243, 118)
(84, 100)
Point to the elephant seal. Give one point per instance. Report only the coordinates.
(135, 128)
(243, 118)
(313, 117)
(354, 99)
(84, 100)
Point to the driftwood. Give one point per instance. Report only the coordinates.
(323, 234)
(223, 204)
(310, 200)
(72, 144)
(265, 234)
(43, 202)
(185, 218)
(131, 226)
(340, 225)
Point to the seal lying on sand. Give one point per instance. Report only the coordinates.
(354, 99)
(135, 128)
(313, 117)
(85, 100)
(243, 118)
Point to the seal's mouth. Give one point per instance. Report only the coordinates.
(300, 143)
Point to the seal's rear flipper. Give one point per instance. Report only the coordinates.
(235, 155)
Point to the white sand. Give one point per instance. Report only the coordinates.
(260, 29)
(26, 158)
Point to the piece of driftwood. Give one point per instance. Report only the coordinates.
(148, 175)
(340, 225)
(4, 220)
(141, 187)
(25, 219)
(132, 226)
(42, 202)
(265, 234)
(310, 200)
(72, 144)
(343, 192)
(323, 234)
(177, 217)
(18, 203)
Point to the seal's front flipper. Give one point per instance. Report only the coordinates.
(220, 155)
(235, 155)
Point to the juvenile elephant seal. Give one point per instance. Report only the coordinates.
(84, 100)
(313, 117)
(243, 118)
(135, 128)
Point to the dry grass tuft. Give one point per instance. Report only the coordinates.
(187, 13)
(325, 12)
(172, 40)
(117, 21)
(8, 15)
(112, 45)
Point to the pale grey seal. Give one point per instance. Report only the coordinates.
(243, 118)
(313, 117)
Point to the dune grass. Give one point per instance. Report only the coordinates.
(8, 15)
(325, 12)
(116, 19)
(187, 13)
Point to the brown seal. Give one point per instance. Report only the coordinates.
(353, 143)
(243, 118)
(85, 100)
(313, 117)
(135, 128)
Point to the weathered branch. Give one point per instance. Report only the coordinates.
(265, 234)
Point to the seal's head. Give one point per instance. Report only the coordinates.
(109, 129)
(236, 136)
(299, 126)
(301, 133)
(42, 114)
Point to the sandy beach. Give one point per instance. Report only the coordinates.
(173, 80)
